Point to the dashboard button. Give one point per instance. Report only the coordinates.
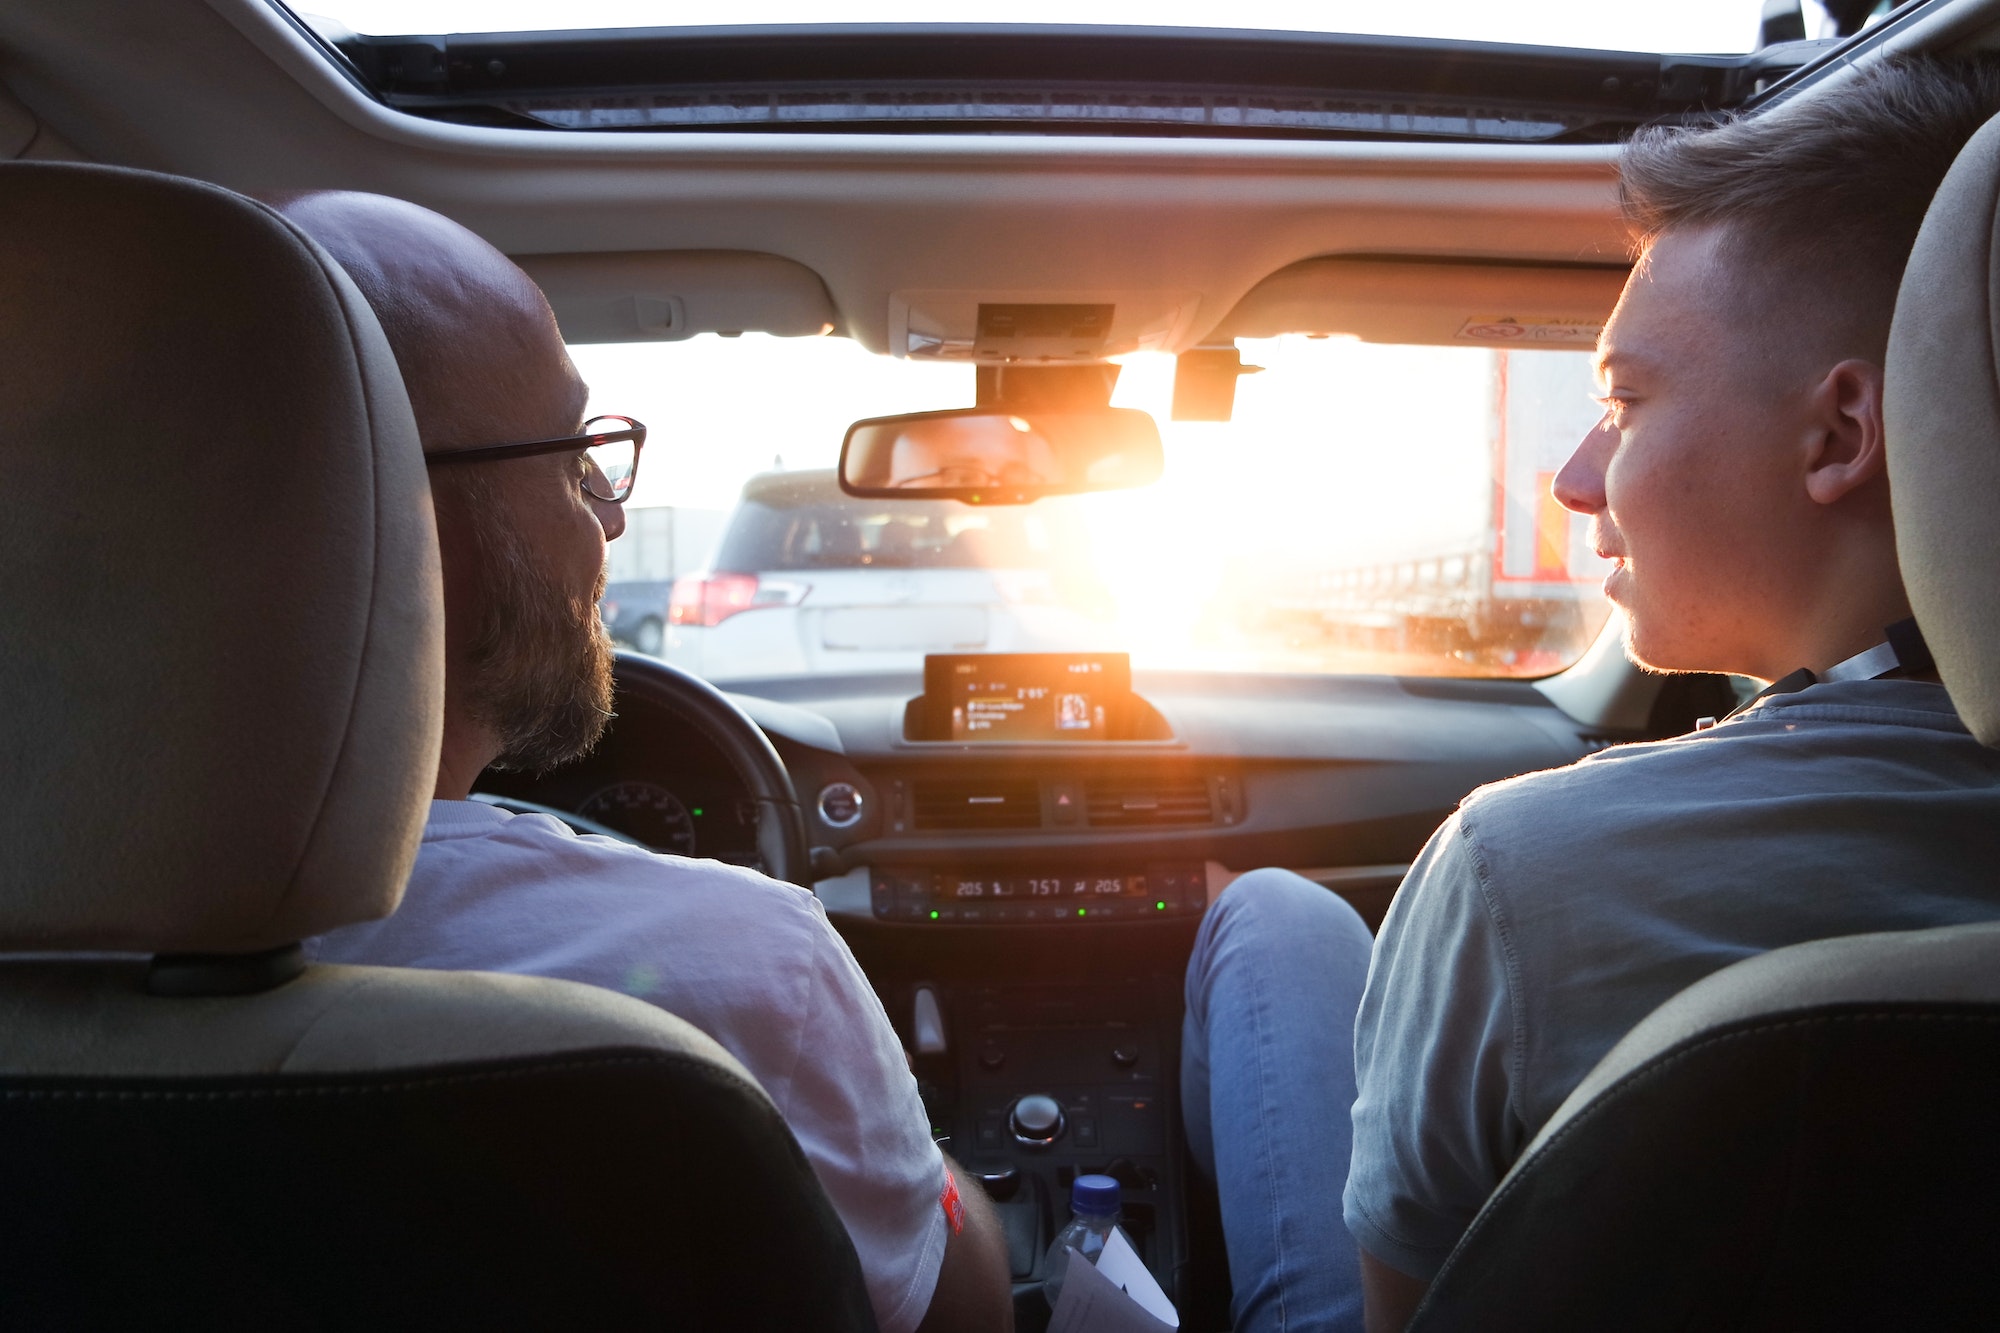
(1191, 886)
(840, 805)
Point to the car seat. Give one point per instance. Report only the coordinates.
(220, 700)
(1807, 1139)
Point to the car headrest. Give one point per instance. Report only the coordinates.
(1941, 406)
(221, 651)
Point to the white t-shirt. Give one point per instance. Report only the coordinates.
(751, 962)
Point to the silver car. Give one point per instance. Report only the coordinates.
(808, 580)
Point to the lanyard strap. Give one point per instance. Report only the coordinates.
(1873, 664)
(1901, 652)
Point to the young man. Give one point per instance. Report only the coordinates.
(751, 962)
(1737, 479)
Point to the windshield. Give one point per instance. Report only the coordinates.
(1701, 25)
(1368, 508)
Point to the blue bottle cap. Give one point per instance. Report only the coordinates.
(1094, 1194)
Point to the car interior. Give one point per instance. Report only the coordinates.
(212, 757)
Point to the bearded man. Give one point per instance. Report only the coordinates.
(523, 515)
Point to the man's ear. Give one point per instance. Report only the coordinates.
(1846, 448)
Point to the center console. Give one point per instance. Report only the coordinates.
(1048, 1049)
(1030, 1085)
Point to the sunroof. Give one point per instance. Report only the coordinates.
(1535, 71)
(1721, 26)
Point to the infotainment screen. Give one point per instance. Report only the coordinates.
(1028, 696)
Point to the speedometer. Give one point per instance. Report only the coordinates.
(646, 811)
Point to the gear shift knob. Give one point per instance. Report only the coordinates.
(1037, 1120)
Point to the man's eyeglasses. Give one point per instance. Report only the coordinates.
(610, 444)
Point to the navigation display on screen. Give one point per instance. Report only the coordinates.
(1028, 696)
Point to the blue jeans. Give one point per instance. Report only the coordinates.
(1267, 1082)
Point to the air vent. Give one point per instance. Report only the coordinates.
(1148, 802)
(975, 804)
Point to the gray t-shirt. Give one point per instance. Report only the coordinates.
(1553, 911)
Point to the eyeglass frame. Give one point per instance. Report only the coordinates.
(497, 453)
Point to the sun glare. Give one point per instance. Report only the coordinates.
(1338, 453)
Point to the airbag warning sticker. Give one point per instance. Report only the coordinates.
(1531, 331)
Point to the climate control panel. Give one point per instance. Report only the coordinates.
(925, 896)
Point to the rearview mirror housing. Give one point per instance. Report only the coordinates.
(985, 455)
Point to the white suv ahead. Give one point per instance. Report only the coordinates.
(808, 580)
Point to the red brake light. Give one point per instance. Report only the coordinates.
(712, 600)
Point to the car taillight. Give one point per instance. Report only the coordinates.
(711, 600)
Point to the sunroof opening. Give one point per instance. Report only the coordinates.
(1537, 71)
(1717, 26)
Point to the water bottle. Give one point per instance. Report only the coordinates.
(1093, 1203)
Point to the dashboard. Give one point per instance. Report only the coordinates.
(1340, 778)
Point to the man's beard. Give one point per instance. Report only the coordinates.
(539, 658)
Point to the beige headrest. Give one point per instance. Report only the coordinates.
(1942, 410)
(221, 648)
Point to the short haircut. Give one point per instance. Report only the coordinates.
(1830, 189)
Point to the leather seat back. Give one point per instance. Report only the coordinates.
(220, 655)
(1802, 1140)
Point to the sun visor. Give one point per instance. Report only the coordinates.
(668, 295)
(1431, 301)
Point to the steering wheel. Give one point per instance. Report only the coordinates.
(781, 828)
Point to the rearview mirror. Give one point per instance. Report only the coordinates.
(984, 455)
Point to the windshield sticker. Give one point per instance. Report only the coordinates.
(1535, 331)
